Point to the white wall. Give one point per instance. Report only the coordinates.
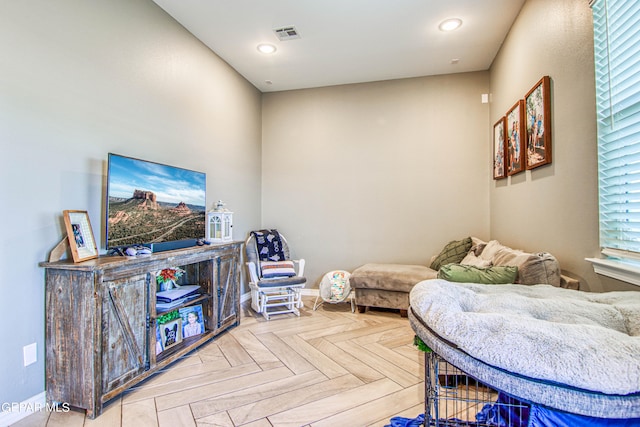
(554, 207)
(377, 172)
(81, 79)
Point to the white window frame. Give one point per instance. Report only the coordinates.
(617, 68)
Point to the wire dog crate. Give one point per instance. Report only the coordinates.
(453, 398)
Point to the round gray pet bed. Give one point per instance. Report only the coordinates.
(568, 350)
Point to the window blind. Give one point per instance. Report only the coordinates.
(616, 25)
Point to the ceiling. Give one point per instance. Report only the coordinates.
(347, 41)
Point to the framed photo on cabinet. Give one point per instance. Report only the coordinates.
(515, 142)
(171, 333)
(80, 235)
(499, 167)
(192, 321)
(538, 119)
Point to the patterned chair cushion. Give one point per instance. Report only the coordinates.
(270, 269)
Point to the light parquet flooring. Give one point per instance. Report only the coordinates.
(328, 367)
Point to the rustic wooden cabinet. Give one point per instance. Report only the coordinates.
(101, 319)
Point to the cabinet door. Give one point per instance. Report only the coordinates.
(125, 330)
(228, 292)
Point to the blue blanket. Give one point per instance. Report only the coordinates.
(510, 412)
(269, 245)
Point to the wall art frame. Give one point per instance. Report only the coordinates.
(499, 148)
(515, 140)
(80, 235)
(538, 123)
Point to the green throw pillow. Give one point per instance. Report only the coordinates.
(454, 251)
(495, 275)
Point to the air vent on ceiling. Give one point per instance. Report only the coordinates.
(287, 33)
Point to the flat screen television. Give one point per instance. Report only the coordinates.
(159, 206)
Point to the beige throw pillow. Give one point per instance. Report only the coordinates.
(473, 260)
(533, 269)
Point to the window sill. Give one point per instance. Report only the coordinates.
(625, 270)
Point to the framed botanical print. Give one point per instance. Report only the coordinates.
(538, 119)
(499, 167)
(515, 142)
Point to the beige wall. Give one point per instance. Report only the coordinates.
(377, 172)
(390, 171)
(555, 207)
(386, 171)
(81, 79)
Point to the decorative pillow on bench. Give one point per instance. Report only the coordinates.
(533, 268)
(454, 251)
(472, 259)
(272, 269)
(496, 275)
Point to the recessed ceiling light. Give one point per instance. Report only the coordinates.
(266, 48)
(450, 24)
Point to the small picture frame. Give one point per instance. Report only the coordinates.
(171, 333)
(159, 348)
(80, 235)
(192, 321)
(538, 120)
(499, 145)
(515, 141)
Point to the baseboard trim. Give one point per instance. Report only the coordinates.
(12, 412)
(245, 297)
(310, 292)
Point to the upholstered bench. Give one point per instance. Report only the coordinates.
(388, 285)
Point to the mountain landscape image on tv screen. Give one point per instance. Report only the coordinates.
(153, 203)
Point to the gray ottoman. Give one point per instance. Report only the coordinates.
(387, 285)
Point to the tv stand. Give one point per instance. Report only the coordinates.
(101, 319)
